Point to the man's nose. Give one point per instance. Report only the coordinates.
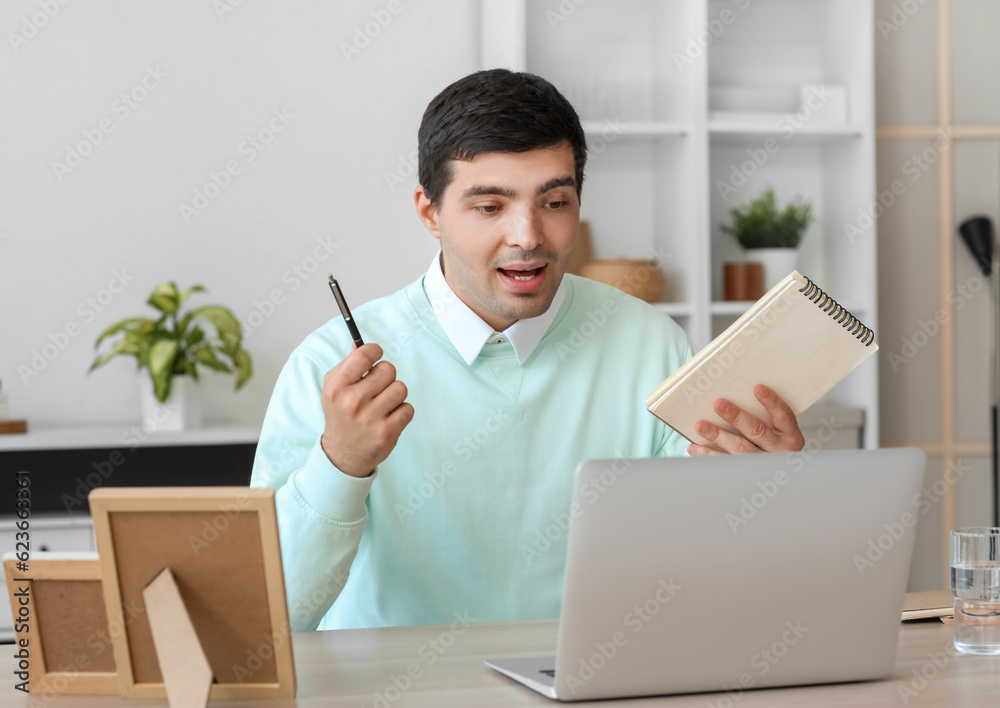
(525, 230)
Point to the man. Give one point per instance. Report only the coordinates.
(514, 374)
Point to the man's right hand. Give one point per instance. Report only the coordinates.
(365, 409)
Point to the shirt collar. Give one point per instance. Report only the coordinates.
(467, 331)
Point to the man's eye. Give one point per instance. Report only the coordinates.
(557, 205)
(486, 208)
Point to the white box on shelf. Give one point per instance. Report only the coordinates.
(763, 100)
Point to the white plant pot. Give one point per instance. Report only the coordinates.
(777, 263)
(182, 410)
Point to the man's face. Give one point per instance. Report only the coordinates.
(507, 224)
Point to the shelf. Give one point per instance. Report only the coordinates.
(615, 128)
(125, 436)
(742, 130)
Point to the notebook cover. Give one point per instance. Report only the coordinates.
(935, 603)
(797, 346)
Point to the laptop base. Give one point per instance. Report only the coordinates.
(522, 669)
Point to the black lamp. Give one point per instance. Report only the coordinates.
(977, 233)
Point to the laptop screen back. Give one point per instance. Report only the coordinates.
(735, 572)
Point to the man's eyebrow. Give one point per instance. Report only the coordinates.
(478, 190)
(567, 181)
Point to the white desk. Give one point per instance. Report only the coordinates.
(354, 667)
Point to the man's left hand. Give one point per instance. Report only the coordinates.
(783, 435)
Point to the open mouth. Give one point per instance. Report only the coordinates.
(523, 280)
(524, 275)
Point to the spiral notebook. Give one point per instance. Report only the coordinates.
(797, 340)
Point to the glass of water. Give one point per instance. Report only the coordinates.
(975, 582)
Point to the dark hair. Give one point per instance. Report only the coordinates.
(496, 110)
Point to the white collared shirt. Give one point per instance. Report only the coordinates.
(467, 331)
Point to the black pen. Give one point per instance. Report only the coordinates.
(346, 312)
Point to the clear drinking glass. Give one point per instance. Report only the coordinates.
(975, 582)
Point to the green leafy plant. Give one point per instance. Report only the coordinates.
(760, 224)
(175, 344)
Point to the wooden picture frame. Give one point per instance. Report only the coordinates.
(221, 544)
(58, 609)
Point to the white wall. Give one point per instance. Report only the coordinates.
(217, 77)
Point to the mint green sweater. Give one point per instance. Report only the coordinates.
(467, 517)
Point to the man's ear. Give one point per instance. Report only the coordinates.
(426, 211)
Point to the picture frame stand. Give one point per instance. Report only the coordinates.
(183, 663)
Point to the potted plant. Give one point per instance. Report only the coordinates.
(769, 235)
(172, 346)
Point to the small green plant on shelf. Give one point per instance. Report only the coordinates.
(760, 224)
(173, 344)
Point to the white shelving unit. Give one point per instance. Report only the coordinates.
(677, 95)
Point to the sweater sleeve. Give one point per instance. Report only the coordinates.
(670, 443)
(321, 510)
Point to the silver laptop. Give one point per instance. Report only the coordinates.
(731, 572)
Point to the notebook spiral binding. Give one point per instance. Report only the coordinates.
(837, 312)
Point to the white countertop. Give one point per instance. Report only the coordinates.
(123, 436)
